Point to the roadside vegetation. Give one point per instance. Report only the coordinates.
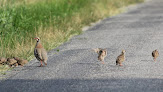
(54, 21)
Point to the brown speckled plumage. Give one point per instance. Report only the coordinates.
(120, 58)
(11, 61)
(3, 60)
(21, 62)
(155, 54)
(16, 64)
(102, 53)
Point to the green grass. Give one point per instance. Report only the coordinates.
(54, 21)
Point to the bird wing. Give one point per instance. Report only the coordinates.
(44, 55)
(105, 53)
(97, 50)
(157, 53)
(37, 53)
(117, 59)
(120, 58)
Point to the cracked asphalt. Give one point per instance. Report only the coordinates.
(75, 67)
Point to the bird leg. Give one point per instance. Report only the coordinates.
(120, 64)
(41, 63)
(103, 62)
(154, 59)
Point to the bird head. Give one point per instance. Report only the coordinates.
(37, 39)
(123, 51)
(103, 52)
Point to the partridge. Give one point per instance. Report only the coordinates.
(2, 60)
(102, 53)
(155, 54)
(40, 53)
(11, 61)
(16, 64)
(120, 58)
(21, 62)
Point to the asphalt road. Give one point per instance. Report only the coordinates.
(76, 68)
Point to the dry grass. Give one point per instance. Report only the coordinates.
(3, 69)
(20, 2)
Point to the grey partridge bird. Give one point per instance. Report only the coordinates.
(21, 62)
(155, 54)
(3, 60)
(11, 62)
(40, 53)
(102, 53)
(120, 58)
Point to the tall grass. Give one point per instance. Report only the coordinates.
(54, 21)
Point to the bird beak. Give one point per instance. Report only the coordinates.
(35, 38)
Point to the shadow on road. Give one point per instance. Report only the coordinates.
(83, 85)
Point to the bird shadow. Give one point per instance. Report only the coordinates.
(83, 85)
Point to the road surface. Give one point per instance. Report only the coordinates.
(75, 67)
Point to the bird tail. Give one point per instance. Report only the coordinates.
(45, 62)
